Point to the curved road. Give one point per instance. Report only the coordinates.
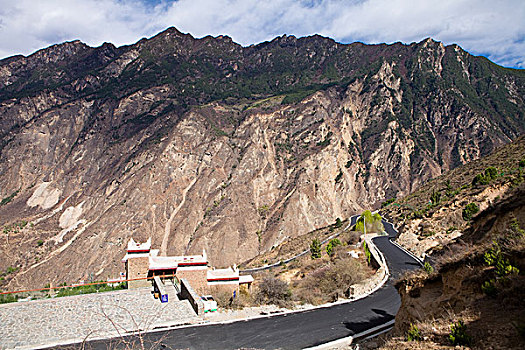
(352, 222)
(294, 330)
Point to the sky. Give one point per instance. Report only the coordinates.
(495, 28)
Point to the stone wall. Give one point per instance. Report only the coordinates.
(137, 267)
(377, 259)
(187, 293)
(216, 288)
(198, 279)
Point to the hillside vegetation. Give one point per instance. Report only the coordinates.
(472, 290)
(442, 209)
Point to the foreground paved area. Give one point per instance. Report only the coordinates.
(73, 319)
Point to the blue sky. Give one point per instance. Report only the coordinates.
(495, 29)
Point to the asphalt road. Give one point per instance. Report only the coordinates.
(294, 330)
(352, 222)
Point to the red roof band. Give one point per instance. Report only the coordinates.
(223, 279)
(193, 264)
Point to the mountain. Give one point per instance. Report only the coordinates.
(203, 143)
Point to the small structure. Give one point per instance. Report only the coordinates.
(143, 263)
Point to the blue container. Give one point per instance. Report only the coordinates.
(164, 298)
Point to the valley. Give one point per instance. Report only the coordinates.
(243, 148)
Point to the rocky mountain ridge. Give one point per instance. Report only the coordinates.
(203, 143)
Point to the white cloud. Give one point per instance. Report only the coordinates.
(494, 29)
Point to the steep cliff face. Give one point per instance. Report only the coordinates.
(206, 144)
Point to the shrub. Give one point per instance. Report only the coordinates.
(428, 268)
(435, 198)
(7, 298)
(515, 227)
(522, 163)
(491, 173)
(417, 214)
(469, 211)
(226, 300)
(315, 249)
(88, 289)
(338, 223)
(489, 288)
(273, 291)
(10, 270)
(9, 198)
(458, 334)
(367, 252)
(413, 333)
(328, 282)
(479, 179)
(331, 245)
(40, 243)
(494, 257)
(387, 202)
(484, 178)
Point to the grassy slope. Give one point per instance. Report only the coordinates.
(464, 286)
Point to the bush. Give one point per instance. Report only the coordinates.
(367, 252)
(315, 249)
(479, 179)
(40, 243)
(331, 245)
(428, 268)
(329, 282)
(469, 211)
(458, 334)
(484, 178)
(273, 291)
(435, 198)
(413, 333)
(88, 289)
(338, 223)
(494, 257)
(522, 163)
(226, 300)
(491, 173)
(489, 288)
(8, 298)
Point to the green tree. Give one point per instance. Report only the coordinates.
(469, 211)
(331, 245)
(373, 223)
(491, 173)
(315, 249)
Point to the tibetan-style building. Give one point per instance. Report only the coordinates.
(143, 262)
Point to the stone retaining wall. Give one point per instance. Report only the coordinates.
(187, 293)
(381, 275)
